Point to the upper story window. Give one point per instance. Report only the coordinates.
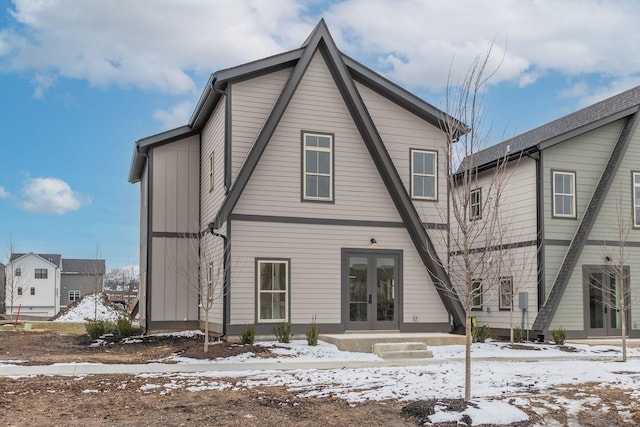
(564, 194)
(317, 167)
(475, 204)
(211, 172)
(18, 271)
(41, 273)
(636, 199)
(273, 290)
(424, 174)
(33, 291)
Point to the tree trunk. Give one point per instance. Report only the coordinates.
(467, 358)
(206, 329)
(623, 319)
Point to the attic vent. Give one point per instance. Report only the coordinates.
(508, 148)
(50, 259)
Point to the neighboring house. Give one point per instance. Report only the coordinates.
(42, 284)
(304, 186)
(80, 277)
(569, 180)
(33, 284)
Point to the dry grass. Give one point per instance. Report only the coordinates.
(73, 328)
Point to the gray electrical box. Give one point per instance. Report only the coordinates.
(523, 300)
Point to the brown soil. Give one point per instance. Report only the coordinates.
(129, 400)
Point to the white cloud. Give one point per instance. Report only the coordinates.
(3, 193)
(177, 116)
(50, 195)
(160, 44)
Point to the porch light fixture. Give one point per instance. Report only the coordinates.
(373, 243)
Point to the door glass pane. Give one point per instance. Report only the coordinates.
(358, 289)
(615, 315)
(385, 289)
(596, 309)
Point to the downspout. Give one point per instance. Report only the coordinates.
(147, 303)
(225, 283)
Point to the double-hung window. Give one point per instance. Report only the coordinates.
(475, 204)
(41, 273)
(273, 290)
(506, 291)
(476, 295)
(317, 167)
(18, 272)
(74, 295)
(424, 174)
(564, 194)
(636, 199)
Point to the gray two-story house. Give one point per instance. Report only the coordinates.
(572, 200)
(305, 185)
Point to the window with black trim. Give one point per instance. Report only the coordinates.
(273, 290)
(317, 167)
(564, 194)
(424, 174)
(506, 293)
(475, 204)
(74, 295)
(20, 291)
(476, 295)
(18, 271)
(33, 291)
(41, 273)
(636, 199)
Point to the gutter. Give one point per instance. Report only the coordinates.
(226, 277)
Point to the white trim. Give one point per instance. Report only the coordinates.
(572, 195)
(504, 280)
(285, 291)
(477, 205)
(304, 165)
(434, 175)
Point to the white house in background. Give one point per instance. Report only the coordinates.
(33, 284)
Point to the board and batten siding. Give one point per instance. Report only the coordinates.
(251, 103)
(315, 254)
(144, 212)
(275, 185)
(175, 212)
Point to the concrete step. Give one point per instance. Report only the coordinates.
(363, 341)
(402, 350)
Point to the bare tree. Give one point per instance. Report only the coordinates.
(14, 277)
(609, 285)
(475, 200)
(204, 272)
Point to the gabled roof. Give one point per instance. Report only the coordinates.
(83, 266)
(52, 258)
(569, 126)
(218, 82)
(320, 40)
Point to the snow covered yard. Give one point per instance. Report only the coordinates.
(506, 383)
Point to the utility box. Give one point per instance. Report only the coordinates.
(523, 300)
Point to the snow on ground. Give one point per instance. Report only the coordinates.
(504, 380)
(90, 307)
